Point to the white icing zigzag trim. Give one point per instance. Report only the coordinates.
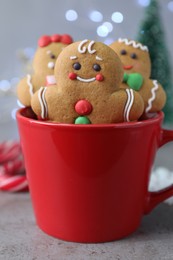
(129, 104)
(43, 104)
(153, 96)
(134, 44)
(30, 84)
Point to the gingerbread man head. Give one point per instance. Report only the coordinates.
(49, 47)
(88, 65)
(137, 69)
(134, 56)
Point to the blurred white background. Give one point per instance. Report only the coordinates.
(23, 22)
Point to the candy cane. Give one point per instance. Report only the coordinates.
(9, 151)
(12, 170)
(14, 183)
(10, 167)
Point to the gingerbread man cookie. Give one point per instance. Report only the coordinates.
(88, 76)
(137, 69)
(49, 47)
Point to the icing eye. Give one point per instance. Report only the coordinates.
(123, 52)
(77, 66)
(133, 56)
(52, 56)
(96, 67)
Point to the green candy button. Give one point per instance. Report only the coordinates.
(133, 80)
(82, 120)
(125, 77)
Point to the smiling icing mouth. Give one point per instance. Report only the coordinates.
(98, 77)
(85, 80)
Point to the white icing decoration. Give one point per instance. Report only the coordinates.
(43, 104)
(98, 58)
(129, 103)
(73, 57)
(153, 96)
(134, 44)
(48, 52)
(90, 46)
(85, 80)
(30, 85)
(81, 48)
(50, 80)
(51, 65)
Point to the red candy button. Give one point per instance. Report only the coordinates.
(99, 77)
(72, 75)
(83, 107)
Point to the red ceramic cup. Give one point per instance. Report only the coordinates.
(89, 183)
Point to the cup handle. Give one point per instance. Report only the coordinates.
(156, 197)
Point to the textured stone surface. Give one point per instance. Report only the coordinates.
(21, 239)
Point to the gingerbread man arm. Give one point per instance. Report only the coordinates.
(41, 100)
(39, 103)
(130, 104)
(153, 95)
(25, 90)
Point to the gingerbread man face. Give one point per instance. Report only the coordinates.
(137, 69)
(87, 65)
(134, 56)
(43, 66)
(47, 53)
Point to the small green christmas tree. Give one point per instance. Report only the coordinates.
(151, 34)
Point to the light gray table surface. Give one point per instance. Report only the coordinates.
(21, 239)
